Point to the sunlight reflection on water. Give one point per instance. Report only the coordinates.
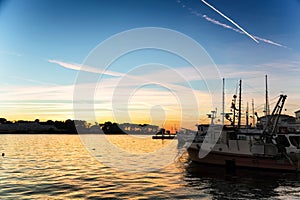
(131, 153)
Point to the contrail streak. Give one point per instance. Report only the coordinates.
(238, 31)
(230, 20)
(270, 42)
(216, 22)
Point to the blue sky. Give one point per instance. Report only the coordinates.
(35, 32)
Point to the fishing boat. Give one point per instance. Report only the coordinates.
(270, 145)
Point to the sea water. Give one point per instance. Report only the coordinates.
(61, 167)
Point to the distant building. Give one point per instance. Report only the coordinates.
(139, 128)
(283, 119)
(292, 124)
(297, 113)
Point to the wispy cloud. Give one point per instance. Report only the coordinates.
(32, 81)
(230, 20)
(9, 53)
(160, 74)
(56, 100)
(79, 67)
(168, 87)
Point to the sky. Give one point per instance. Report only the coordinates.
(46, 46)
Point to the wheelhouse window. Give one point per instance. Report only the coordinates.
(282, 140)
(295, 141)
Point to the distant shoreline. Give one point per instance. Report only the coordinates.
(18, 133)
(72, 127)
(1, 133)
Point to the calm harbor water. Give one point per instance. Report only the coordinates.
(60, 167)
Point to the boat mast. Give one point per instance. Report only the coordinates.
(267, 98)
(247, 115)
(223, 102)
(253, 113)
(233, 106)
(240, 105)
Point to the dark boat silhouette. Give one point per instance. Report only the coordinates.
(163, 134)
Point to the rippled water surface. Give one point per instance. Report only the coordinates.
(60, 167)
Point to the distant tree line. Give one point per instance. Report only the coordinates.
(49, 126)
(67, 127)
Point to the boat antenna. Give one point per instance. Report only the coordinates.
(240, 104)
(212, 116)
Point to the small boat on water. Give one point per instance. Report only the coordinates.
(163, 134)
(270, 145)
